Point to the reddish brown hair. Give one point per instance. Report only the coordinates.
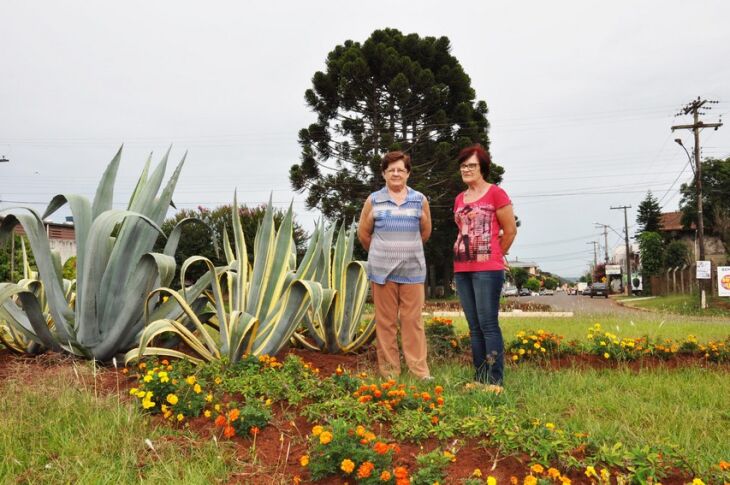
(392, 157)
(482, 155)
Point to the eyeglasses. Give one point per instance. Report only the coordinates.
(469, 167)
(396, 170)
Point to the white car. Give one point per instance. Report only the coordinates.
(510, 291)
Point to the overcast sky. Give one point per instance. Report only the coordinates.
(581, 96)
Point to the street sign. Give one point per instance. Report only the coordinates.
(612, 269)
(704, 270)
(723, 280)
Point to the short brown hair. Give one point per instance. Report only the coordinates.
(482, 155)
(392, 157)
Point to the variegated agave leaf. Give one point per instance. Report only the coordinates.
(336, 326)
(258, 312)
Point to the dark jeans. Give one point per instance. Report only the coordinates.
(479, 295)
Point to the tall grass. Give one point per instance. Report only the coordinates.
(56, 427)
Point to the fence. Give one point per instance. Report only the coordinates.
(681, 280)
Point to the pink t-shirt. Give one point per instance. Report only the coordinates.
(477, 244)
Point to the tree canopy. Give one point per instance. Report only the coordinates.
(715, 200)
(391, 92)
(649, 214)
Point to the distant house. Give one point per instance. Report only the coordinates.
(672, 226)
(61, 236)
(531, 267)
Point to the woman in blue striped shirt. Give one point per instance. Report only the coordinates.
(394, 223)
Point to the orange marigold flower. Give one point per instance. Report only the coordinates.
(229, 431)
(553, 473)
(165, 362)
(254, 430)
(400, 472)
(220, 421)
(537, 468)
(434, 419)
(530, 480)
(425, 396)
(440, 401)
(297, 480)
(233, 414)
(377, 393)
(347, 466)
(365, 470)
(724, 465)
(317, 430)
(402, 481)
(381, 448)
(325, 437)
(304, 460)
(513, 480)
(385, 476)
(438, 389)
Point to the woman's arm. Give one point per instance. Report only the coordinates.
(506, 218)
(365, 226)
(425, 220)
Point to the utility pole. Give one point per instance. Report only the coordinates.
(696, 126)
(628, 249)
(595, 253)
(605, 239)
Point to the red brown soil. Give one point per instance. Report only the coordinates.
(273, 457)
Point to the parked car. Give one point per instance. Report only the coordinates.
(549, 292)
(586, 291)
(572, 290)
(599, 289)
(524, 292)
(509, 291)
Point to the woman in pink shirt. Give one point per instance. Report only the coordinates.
(487, 228)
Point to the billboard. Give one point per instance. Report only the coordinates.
(612, 269)
(723, 280)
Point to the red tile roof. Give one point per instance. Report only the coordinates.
(672, 221)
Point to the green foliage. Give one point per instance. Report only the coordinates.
(393, 91)
(648, 217)
(676, 254)
(69, 268)
(7, 253)
(520, 277)
(533, 284)
(651, 247)
(551, 283)
(431, 467)
(715, 187)
(205, 239)
(441, 338)
(535, 345)
(252, 416)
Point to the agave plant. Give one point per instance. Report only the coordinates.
(256, 314)
(115, 269)
(20, 341)
(335, 327)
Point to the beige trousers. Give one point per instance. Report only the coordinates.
(404, 302)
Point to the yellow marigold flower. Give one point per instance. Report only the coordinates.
(591, 472)
(304, 460)
(697, 481)
(537, 468)
(521, 351)
(207, 413)
(530, 480)
(147, 378)
(218, 380)
(565, 481)
(209, 398)
(515, 357)
(133, 391)
(317, 430)
(450, 455)
(164, 379)
(268, 402)
(549, 425)
(163, 408)
(325, 437)
(605, 475)
(190, 380)
(217, 407)
(536, 345)
(172, 399)
(148, 404)
(148, 395)
(606, 355)
(141, 394)
(476, 473)
(180, 416)
(347, 465)
(197, 389)
(491, 480)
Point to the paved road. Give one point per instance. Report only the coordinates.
(580, 305)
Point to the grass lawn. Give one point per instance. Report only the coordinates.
(682, 305)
